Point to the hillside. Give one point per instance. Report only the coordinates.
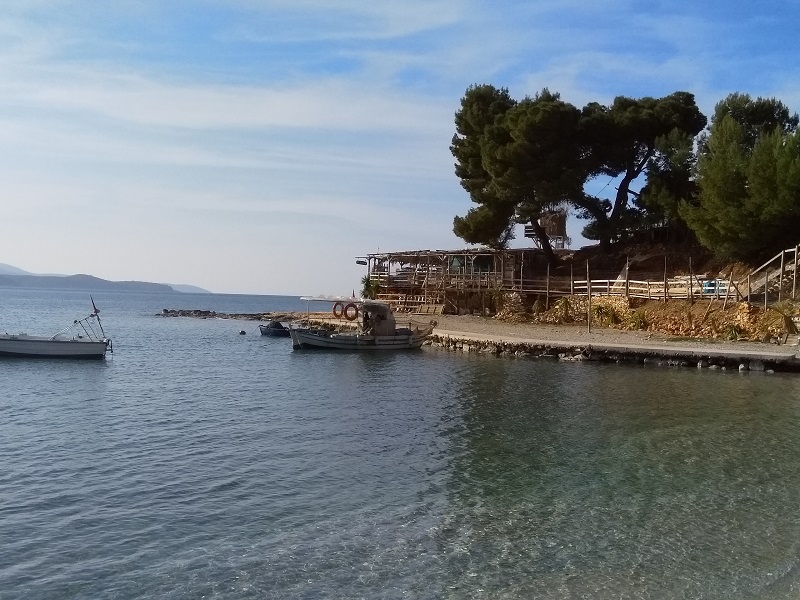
(14, 277)
(80, 282)
(10, 270)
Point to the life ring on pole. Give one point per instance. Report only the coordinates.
(350, 315)
(338, 310)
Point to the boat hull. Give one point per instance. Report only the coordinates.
(357, 342)
(43, 347)
(274, 330)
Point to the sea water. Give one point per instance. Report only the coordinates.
(196, 462)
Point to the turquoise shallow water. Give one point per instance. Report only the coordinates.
(197, 462)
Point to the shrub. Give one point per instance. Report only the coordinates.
(562, 309)
(637, 320)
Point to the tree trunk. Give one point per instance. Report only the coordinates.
(621, 201)
(603, 231)
(544, 242)
(591, 206)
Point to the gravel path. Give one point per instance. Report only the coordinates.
(577, 334)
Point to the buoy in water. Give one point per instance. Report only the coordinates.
(242, 332)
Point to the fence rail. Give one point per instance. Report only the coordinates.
(774, 276)
(672, 288)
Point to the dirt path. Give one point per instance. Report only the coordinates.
(578, 335)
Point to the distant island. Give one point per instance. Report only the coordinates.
(13, 277)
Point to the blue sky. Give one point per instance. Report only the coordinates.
(258, 146)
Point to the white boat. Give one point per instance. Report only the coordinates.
(377, 331)
(83, 342)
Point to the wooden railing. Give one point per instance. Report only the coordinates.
(672, 288)
(774, 276)
(414, 303)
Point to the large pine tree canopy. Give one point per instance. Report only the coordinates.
(518, 160)
(734, 185)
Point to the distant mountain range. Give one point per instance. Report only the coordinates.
(14, 277)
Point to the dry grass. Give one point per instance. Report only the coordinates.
(704, 319)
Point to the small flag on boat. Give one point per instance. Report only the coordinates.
(96, 310)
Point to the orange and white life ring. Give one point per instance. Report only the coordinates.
(350, 311)
(338, 310)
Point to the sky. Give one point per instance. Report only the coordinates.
(260, 146)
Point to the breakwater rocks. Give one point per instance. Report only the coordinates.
(211, 314)
(644, 356)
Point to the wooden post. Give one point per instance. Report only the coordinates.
(728, 289)
(665, 278)
(794, 274)
(739, 295)
(766, 284)
(691, 282)
(547, 290)
(369, 270)
(708, 309)
(780, 277)
(627, 276)
(571, 281)
(588, 300)
(749, 289)
(521, 267)
(427, 276)
(648, 289)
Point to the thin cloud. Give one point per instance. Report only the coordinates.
(230, 129)
(339, 20)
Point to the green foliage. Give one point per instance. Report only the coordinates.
(623, 140)
(670, 179)
(756, 117)
(736, 186)
(774, 191)
(731, 332)
(369, 287)
(497, 294)
(563, 309)
(786, 308)
(637, 320)
(519, 160)
(722, 182)
(481, 107)
(605, 315)
(484, 225)
(748, 205)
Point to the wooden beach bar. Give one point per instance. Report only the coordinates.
(471, 280)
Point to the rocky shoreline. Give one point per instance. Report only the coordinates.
(211, 314)
(644, 356)
(574, 342)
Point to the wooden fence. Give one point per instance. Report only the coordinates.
(684, 287)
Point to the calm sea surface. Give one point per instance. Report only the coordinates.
(199, 463)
